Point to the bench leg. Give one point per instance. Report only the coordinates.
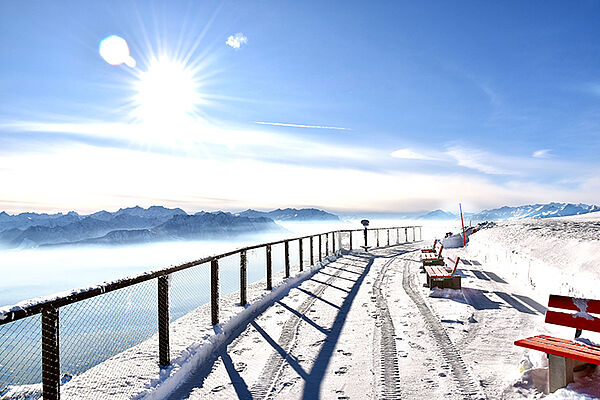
(560, 372)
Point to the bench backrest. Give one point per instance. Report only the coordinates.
(455, 265)
(581, 319)
(439, 252)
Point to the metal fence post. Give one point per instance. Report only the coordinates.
(164, 356)
(414, 238)
(50, 354)
(269, 269)
(377, 235)
(406, 234)
(301, 256)
(397, 235)
(320, 248)
(312, 253)
(388, 233)
(350, 232)
(214, 291)
(333, 243)
(286, 248)
(243, 277)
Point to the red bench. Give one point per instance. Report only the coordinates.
(430, 249)
(434, 257)
(438, 276)
(565, 355)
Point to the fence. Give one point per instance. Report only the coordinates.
(98, 323)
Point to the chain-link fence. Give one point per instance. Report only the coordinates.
(98, 342)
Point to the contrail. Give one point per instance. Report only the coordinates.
(303, 126)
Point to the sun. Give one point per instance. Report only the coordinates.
(166, 93)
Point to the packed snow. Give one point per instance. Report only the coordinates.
(364, 325)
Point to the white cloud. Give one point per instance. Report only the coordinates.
(303, 126)
(410, 155)
(478, 160)
(236, 41)
(543, 153)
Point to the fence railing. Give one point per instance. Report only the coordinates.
(35, 360)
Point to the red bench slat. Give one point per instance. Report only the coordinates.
(573, 320)
(437, 272)
(569, 303)
(558, 347)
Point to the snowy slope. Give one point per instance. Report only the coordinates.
(534, 211)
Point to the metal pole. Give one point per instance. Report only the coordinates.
(332, 242)
(397, 235)
(406, 234)
(243, 277)
(50, 354)
(286, 249)
(377, 234)
(388, 234)
(164, 356)
(269, 269)
(350, 233)
(365, 237)
(312, 253)
(320, 248)
(300, 251)
(214, 291)
(414, 238)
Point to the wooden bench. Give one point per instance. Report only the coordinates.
(438, 276)
(430, 249)
(434, 257)
(565, 355)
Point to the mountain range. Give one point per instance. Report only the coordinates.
(137, 225)
(292, 214)
(527, 211)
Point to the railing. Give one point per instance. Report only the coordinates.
(119, 314)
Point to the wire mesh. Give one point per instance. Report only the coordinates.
(20, 359)
(294, 257)
(278, 263)
(393, 236)
(257, 264)
(189, 289)
(96, 329)
(229, 274)
(306, 252)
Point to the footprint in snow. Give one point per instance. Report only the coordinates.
(240, 367)
(341, 370)
(217, 388)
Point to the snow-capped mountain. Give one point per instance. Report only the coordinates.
(292, 214)
(129, 225)
(534, 211)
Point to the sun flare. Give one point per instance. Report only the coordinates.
(166, 92)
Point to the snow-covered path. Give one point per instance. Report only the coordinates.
(365, 327)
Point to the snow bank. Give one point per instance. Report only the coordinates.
(552, 256)
(546, 256)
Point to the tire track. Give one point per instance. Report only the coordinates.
(385, 342)
(469, 387)
(273, 369)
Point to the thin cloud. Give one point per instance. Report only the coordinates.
(410, 155)
(236, 41)
(477, 160)
(543, 153)
(303, 126)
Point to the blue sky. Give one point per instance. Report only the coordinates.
(349, 106)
